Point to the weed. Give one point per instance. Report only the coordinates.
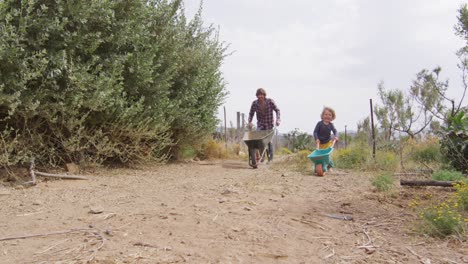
(383, 182)
(441, 220)
(461, 195)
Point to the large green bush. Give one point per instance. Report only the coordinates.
(96, 81)
(454, 142)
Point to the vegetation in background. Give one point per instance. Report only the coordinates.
(105, 81)
(353, 157)
(426, 104)
(425, 151)
(298, 140)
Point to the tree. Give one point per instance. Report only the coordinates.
(399, 113)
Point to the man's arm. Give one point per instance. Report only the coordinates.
(277, 111)
(252, 112)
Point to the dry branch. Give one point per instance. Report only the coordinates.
(33, 173)
(62, 176)
(46, 234)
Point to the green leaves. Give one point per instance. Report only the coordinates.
(105, 80)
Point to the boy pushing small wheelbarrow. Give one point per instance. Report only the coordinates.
(321, 157)
(263, 107)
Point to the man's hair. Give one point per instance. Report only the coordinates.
(260, 91)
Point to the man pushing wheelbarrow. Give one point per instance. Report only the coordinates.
(257, 140)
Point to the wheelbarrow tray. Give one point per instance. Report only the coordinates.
(321, 156)
(258, 139)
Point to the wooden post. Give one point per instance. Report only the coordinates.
(372, 127)
(225, 128)
(345, 137)
(238, 127)
(243, 121)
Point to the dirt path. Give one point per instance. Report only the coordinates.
(213, 212)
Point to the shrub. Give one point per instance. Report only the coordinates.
(285, 151)
(386, 161)
(213, 150)
(427, 150)
(105, 81)
(302, 162)
(441, 220)
(461, 195)
(454, 141)
(383, 182)
(353, 157)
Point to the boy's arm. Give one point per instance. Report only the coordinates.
(335, 132)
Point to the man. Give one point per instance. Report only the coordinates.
(264, 108)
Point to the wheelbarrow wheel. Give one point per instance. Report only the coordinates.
(253, 158)
(319, 169)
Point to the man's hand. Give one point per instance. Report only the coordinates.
(278, 122)
(249, 125)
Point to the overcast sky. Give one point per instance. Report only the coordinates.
(308, 53)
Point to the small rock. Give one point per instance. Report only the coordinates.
(226, 191)
(96, 210)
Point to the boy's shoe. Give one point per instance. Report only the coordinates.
(254, 166)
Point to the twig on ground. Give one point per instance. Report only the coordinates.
(53, 246)
(33, 173)
(368, 237)
(46, 234)
(424, 261)
(308, 222)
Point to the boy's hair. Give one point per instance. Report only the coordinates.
(326, 108)
(260, 91)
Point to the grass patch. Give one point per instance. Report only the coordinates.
(447, 175)
(383, 182)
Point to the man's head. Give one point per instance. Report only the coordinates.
(261, 94)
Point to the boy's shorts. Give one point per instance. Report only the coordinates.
(326, 145)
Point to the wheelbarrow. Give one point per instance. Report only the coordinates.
(322, 159)
(257, 143)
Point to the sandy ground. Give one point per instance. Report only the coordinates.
(215, 212)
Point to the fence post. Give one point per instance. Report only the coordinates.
(373, 131)
(225, 128)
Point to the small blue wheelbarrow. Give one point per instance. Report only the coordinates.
(321, 159)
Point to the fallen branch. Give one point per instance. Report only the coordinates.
(62, 176)
(340, 217)
(427, 183)
(33, 173)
